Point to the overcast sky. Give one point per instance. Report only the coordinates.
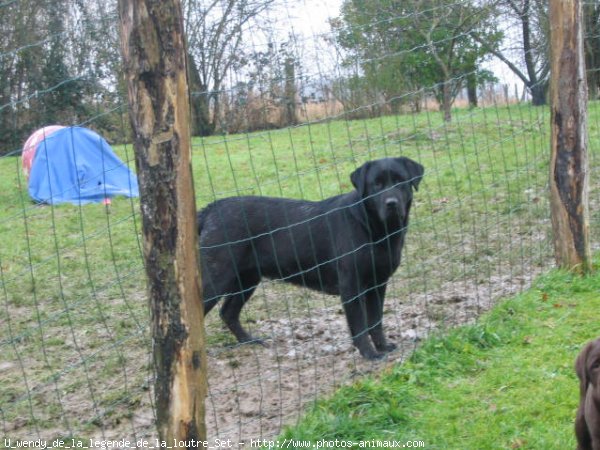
(311, 16)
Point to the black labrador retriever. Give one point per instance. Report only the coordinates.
(348, 245)
(587, 422)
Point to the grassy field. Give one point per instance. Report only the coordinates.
(74, 321)
(506, 382)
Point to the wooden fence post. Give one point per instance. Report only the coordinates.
(154, 56)
(569, 160)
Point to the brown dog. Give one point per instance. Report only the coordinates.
(587, 423)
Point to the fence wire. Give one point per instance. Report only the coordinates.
(287, 102)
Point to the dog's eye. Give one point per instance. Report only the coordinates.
(595, 365)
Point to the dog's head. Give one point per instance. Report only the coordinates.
(386, 185)
(587, 366)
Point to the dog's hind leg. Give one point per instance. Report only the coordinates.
(210, 304)
(210, 295)
(374, 305)
(213, 288)
(232, 306)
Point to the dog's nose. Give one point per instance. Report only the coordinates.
(391, 202)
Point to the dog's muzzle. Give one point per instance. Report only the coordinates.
(391, 203)
(391, 211)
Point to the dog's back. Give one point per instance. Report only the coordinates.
(278, 238)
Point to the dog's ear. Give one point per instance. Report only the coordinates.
(414, 169)
(359, 178)
(593, 363)
(581, 369)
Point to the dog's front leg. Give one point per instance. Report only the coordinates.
(374, 305)
(356, 315)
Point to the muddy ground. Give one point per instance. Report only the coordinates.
(254, 391)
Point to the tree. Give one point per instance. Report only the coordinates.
(155, 68)
(405, 46)
(52, 70)
(215, 30)
(63, 101)
(20, 69)
(290, 91)
(591, 16)
(569, 160)
(532, 52)
(447, 31)
(272, 72)
(375, 49)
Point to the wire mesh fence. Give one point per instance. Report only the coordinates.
(288, 100)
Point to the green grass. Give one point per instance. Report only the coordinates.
(477, 153)
(72, 292)
(506, 382)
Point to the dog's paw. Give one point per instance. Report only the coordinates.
(257, 341)
(252, 341)
(261, 342)
(388, 347)
(372, 355)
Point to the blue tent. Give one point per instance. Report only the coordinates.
(76, 165)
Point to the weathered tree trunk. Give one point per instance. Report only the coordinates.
(472, 90)
(569, 161)
(201, 124)
(290, 92)
(155, 67)
(447, 101)
(538, 90)
(538, 93)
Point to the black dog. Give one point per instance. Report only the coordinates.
(587, 422)
(347, 245)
